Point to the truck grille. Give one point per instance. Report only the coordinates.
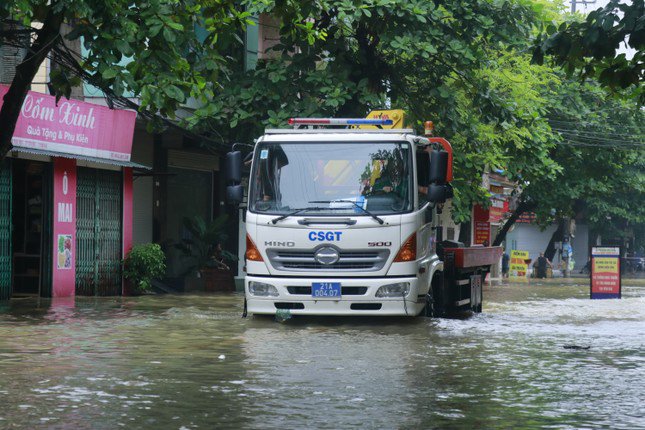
(294, 260)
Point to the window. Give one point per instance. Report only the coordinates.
(331, 178)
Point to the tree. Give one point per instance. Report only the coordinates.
(513, 136)
(170, 59)
(452, 62)
(599, 141)
(589, 48)
(600, 148)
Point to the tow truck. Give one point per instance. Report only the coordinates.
(342, 218)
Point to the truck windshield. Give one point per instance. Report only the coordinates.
(331, 178)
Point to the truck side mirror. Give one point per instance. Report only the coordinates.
(234, 167)
(438, 167)
(437, 193)
(235, 194)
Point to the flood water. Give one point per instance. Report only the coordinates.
(183, 362)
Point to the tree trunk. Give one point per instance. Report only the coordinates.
(521, 208)
(464, 233)
(25, 73)
(557, 236)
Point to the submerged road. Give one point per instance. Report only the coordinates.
(540, 355)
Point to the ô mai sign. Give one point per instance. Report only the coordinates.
(73, 127)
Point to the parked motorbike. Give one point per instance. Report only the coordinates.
(640, 264)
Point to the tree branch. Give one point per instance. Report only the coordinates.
(25, 73)
(523, 207)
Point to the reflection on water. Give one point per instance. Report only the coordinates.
(192, 362)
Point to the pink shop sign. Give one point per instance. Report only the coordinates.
(73, 127)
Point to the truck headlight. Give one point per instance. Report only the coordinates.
(261, 289)
(400, 289)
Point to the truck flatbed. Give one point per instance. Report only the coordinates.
(475, 256)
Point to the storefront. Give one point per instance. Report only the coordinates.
(186, 185)
(527, 235)
(66, 199)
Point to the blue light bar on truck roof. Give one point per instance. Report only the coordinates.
(339, 121)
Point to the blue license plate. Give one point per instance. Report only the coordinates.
(325, 290)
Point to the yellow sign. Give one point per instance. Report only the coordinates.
(607, 265)
(518, 269)
(518, 266)
(396, 115)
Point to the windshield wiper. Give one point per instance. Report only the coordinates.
(295, 212)
(380, 220)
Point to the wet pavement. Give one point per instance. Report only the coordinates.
(182, 362)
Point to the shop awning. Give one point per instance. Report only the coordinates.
(80, 157)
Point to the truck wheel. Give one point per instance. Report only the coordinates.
(429, 309)
(432, 310)
(435, 299)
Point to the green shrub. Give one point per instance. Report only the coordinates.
(204, 247)
(144, 263)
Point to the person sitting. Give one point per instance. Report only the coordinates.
(383, 184)
(380, 180)
(380, 184)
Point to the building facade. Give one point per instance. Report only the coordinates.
(66, 199)
(526, 235)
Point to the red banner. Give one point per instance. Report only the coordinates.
(482, 233)
(481, 226)
(497, 210)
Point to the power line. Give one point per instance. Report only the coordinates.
(588, 123)
(606, 144)
(591, 125)
(593, 134)
(596, 145)
(599, 139)
(605, 130)
(602, 110)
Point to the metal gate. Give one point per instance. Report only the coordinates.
(98, 232)
(5, 230)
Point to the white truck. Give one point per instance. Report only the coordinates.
(343, 221)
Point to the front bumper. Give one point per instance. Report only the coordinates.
(355, 304)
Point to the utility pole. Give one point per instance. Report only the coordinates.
(582, 2)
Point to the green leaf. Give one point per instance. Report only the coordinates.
(169, 35)
(155, 29)
(109, 73)
(174, 92)
(175, 26)
(123, 46)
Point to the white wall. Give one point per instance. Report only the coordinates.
(529, 237)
